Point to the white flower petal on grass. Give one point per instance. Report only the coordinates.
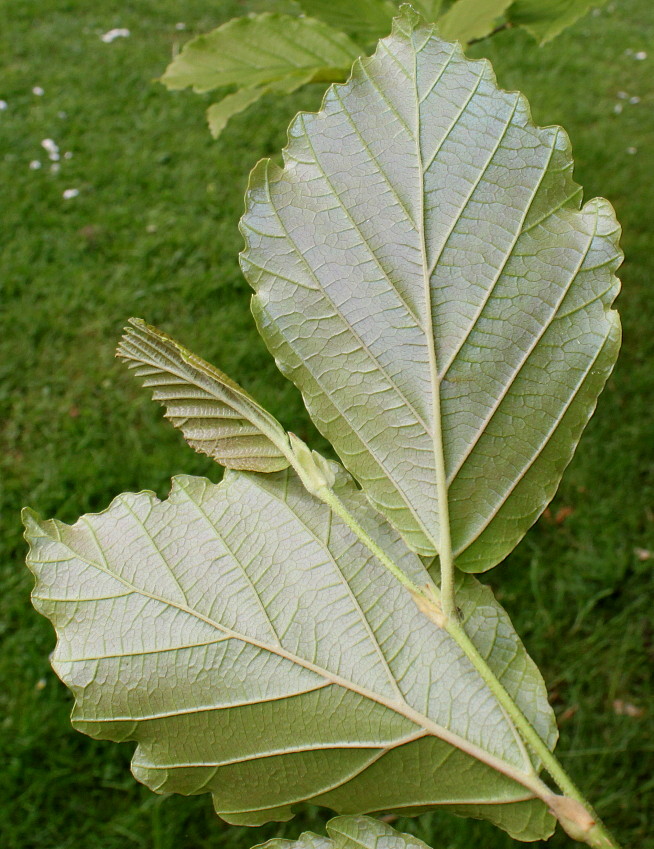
(634, 100)
(113, 34)
(55, 167)
(622, 95)
(617, 108)
(180, 26)
(632, 150)
(52, 149)
(640, 55)
(3, 105)
(35, 165)
(69, 194)
(38, 91)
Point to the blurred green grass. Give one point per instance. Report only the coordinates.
(153, 233)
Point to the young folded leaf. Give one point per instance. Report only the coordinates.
(350, 833)
(215, 415)
(425, 275)
(255, 649)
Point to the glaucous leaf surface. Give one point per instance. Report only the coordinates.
(425, 273)
(260, 50)
(255, 649)
(216, 416)
(545, 19)
(471, 19)
(350, 832)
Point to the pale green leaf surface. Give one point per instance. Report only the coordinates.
(255, 649)
(425, 275)
(350, 832)
(471, 19)
(260, 50)
(545, 19)
(216, 416)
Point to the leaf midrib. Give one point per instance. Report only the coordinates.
(527, 779)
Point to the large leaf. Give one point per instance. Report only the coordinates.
(350, 833)
(425, 275)
(260, 54)
(255, 649)
(471, 19)
(216, 416)
(545, 19)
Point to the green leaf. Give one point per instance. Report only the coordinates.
(216, 416)
(260, 54)
(255, 649)
(258, 50)
(471, 19)
(350, 833)
(545, 19)
(364, 20)
(218, 114)
(425, 275)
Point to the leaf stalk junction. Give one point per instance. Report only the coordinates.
(572, 810)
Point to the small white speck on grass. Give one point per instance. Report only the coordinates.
(113, 34)
(180, 25)
(640, 55)
(55, 167)
(622, 95)
(632, 150)
(62, 115)
(68, 154)
(35, 165)
(3, 105)
(617, 108)
(38, 91)
(634, 100)
(52, 149)
(69, 194)
(596, 13)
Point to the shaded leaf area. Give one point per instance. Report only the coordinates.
(260, 54)
(216, 416)
(350, 833)
(254, 649)
(545, 19)
(425, 274)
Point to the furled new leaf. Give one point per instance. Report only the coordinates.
(350, 832)
(255, 649)
(216, 416)
(471, 19)
(545, 19)
(424, 273)
(260, 54)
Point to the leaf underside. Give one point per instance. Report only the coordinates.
(350, 832)
(216, 416)
(425, 275)
(253, 648)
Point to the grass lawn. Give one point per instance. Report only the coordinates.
(153, 232)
